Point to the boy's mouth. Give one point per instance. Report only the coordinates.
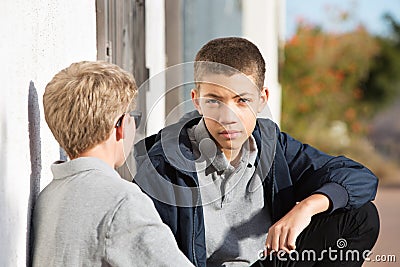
(230, 134)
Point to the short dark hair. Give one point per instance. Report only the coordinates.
(235, 52)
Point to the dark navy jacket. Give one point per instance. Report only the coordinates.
(291, 170)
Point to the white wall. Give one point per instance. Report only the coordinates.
(156, 62)
(38, 38)
(263, 24)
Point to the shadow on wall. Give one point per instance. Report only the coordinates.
(36, 163)
(8, 211)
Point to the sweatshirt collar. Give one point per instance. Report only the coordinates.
(64, 169)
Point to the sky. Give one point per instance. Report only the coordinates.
(326, 14)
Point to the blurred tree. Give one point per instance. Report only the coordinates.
(381, 89)
(382, 85)
(334, 83)
(320, 77)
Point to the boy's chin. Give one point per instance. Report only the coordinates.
(231, 145)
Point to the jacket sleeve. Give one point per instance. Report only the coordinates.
(345, 182)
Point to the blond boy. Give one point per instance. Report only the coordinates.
(88, 215)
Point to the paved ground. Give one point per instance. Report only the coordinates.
(388, 203)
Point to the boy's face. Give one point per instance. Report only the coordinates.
(229, 105)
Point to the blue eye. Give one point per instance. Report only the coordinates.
(212, 101)
(244, 100)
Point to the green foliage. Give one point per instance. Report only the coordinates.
(383, 82)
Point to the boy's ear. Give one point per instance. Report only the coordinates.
(196, 99)
(119, 131)
(263, 98)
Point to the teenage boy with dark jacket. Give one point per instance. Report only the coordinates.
(236, 190)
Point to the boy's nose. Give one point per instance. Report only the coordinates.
(227, 115)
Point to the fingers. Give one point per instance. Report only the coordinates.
(283, 245)
(276, 231)
(280, 239)
(291, 240)
(277, 240)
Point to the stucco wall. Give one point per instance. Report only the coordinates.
(38, 38)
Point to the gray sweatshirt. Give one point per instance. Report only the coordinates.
(236, 220)
(89, 216)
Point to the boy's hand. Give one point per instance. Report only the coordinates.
(283, 234)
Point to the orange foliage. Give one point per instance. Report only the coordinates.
(321, 76)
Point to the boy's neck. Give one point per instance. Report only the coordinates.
(94, 154)
(232, 155)
(106, 151)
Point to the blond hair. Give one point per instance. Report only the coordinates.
(82, 102)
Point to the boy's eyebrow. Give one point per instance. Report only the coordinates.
(212, 95)
(243, 94)
(236, 96)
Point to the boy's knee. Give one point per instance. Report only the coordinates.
(367, 218)
(369, 215)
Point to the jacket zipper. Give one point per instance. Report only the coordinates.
(193, 237)
(273, 191)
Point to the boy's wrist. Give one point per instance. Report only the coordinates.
(314, 204)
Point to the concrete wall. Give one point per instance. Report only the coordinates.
(38, 38)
